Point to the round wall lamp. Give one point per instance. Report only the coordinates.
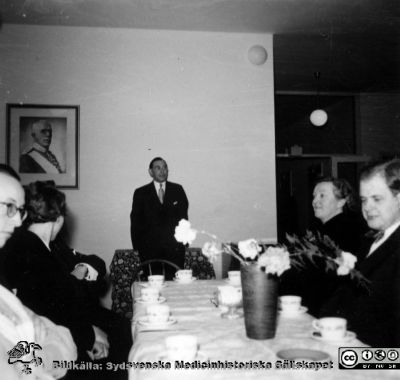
(257, 55)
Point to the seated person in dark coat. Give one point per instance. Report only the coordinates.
(334, 209)
(336, 213)
(374, 313)
(57, 284)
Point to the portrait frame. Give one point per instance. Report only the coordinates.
(35, 156)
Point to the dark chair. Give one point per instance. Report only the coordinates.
(155, 266)
(122, 270)
(199, 264)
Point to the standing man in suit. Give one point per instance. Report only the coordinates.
(157, 209)
(374, 313)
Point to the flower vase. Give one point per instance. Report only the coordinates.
(260, 301)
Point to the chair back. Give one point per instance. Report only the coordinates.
(154, 266)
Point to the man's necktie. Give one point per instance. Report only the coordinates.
(378, 236)
(161, 194)
(374, 235)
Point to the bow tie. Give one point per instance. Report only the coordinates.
(375, 235)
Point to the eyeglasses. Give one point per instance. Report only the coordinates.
(12, 209)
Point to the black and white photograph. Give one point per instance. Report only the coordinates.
(43, 142)
(200, 189)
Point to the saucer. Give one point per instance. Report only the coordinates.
(160, 300)
(185, 281)
(230, 283)
(144, 321)
(147, 285)
(201, 356)
(303, 354)
(347, 338)
(286, 314)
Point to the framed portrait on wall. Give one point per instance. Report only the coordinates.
(43, 143)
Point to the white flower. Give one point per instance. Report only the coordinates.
(346, 263)
(249, 249)
(275, 260)
(184, 233)
(211, 250)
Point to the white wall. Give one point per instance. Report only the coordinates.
(191, 97)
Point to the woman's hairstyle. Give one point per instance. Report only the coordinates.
(44, 202)
(342, 190)
(389, 170)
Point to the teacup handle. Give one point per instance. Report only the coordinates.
(315, 324)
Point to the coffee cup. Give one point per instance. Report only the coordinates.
(331, 328)
(184, 275)
(234, 277)
(181, 347)
(156, 280)
(290, 304)
(158, 313)
(149, 294)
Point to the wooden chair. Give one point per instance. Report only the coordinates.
(148, 266)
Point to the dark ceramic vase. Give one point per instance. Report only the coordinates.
(260, 301)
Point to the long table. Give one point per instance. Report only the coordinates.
(223, 340)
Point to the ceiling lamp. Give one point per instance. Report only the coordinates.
(318, 117)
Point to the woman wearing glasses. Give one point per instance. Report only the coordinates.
(45, 284)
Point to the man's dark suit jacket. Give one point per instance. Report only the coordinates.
(44, 284)
(373, 314)
(153, 224)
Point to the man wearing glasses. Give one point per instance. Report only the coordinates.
(18, 324)
(12, 210)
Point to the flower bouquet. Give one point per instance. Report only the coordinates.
(262, 264)
(274, 260)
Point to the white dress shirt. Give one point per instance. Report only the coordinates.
(157, 186)
(385, 236)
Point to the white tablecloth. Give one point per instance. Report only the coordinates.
(225, 340)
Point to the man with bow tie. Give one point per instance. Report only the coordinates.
(39, 158)
(157, 209)
(373, 313)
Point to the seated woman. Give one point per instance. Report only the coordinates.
(19, 326)
(52, 286)
(334, 210)
(373, 313)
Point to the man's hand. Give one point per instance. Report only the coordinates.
(80, 271)
(99, 351)
(101, 345)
